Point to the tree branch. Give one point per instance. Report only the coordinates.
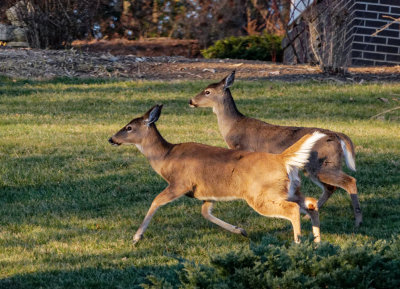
(387, 25)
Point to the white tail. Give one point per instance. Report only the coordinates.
(297, 155)
(348, 157)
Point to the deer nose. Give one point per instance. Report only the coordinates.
(191, 103)
(111, 141)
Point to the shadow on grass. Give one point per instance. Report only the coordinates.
(125, 277)
(125, 193)
(101, 101)
(118, 196)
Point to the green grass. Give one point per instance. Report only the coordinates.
(70, 203)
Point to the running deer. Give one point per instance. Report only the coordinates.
(268, 183)
(249, 134)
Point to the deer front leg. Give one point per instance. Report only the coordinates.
(206, 211)
(165, 197)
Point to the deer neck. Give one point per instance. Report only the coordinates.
(227, 114)
(155, 148)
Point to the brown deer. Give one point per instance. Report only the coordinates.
(268, 183)
(249, 134)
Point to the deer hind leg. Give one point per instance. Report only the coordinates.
(310, 207)
(165, 197)
(348, 183)
(327, 192)
(280, 209)
(206, 211)
(314, 215)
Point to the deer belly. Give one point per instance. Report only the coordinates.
(217, 198)
(221, 190)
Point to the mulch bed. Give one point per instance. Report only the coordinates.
(47, 64)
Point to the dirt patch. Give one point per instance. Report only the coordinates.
(46, 64)
(148, 47)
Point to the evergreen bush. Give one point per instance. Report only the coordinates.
(265, 47)
(306, 265)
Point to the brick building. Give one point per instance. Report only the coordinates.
(351, 24)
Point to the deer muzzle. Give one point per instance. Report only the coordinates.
(192, 104)
(114, 143)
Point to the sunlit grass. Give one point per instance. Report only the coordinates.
(70, 203)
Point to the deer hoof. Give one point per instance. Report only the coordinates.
(241, 231)
(358, 221)
(137, 238)
(317, 239)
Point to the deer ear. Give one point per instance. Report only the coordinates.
(228, 81)
(152, 115)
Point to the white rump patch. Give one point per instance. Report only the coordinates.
(300, 157)
(294, 182)
(348, 157)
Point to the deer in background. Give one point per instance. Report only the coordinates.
(244, 133)
(268, 183)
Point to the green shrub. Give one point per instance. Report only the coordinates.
(306, 265)
(373, 265)
(265, 47)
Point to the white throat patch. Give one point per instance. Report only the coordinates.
(140, 148)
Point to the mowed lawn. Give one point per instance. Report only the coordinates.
(70, 202)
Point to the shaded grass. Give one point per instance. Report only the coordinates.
(70, 203)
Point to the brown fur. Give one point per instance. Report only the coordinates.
(217, 174)
(245, 133)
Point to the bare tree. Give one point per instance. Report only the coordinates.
(205, 20)
(54, 23)
(326, 34)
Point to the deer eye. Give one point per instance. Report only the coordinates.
(208, 92)
(128, 128)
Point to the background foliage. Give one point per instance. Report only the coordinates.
(54, 23)
(265, 47)
(58, 22)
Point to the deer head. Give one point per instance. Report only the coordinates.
(137, 129)
(214, 93)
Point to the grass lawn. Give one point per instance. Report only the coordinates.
(70, 203)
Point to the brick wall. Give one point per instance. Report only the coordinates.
(383, 49)
(360, 48)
